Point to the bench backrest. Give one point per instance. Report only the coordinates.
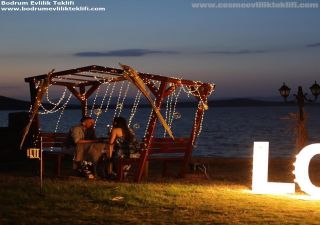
(167, 145)
(56, 140)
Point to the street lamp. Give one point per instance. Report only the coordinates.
(300, 96)
(284, 91)
(315, 90)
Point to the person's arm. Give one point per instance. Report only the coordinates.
(78, 136)
(112, 139)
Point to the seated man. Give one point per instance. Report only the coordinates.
(82, 141)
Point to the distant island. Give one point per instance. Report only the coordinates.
(7, 103)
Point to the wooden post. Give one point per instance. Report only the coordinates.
(33, 98)
(150, 130)
(35, 126)
(202, 98)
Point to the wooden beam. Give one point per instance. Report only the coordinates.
(61, 73)
(74, 92)
(154, 90)
(92, 89)
(149, 133)
(116, 72)
(170, 90)
(111, 80)
(75, 79)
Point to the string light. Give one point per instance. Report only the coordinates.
(171, 112)
(148, 123)
(118, 100)
(61, 98)
(101, 105)
(135, 106)
(62, 111)
(168, 112)
(110, 96)
(95, 99)
(54, 109)
(175, 105)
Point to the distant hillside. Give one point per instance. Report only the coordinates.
(14, 104)
(245, 102)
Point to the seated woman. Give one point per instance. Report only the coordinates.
(122, 142)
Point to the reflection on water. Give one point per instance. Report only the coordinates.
(227, 131)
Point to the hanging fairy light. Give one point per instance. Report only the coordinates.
(101, 105)
(55, 107)
(121, 104)
(95, 99)
(135, 106)
(175, 115)
(62, 111)
(118, 100)
(171, 108)
(148, 123)
(110, 97)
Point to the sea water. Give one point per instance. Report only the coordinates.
(226, 131)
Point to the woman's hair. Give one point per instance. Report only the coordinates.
(120, 122)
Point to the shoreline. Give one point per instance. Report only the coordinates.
(230, 170)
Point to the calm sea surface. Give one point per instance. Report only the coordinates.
(226, 131)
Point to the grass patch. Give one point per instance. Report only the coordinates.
(78, 201)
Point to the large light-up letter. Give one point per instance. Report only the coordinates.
(302, 170)
(260, 184)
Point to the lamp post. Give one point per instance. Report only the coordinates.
(300, 96)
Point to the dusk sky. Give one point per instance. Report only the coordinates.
(245, 52)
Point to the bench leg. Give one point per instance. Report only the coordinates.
(120, 172)
(58, 165)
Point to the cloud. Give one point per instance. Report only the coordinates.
(9, 87)
(238, 52)
(123, 53)
(313, 45)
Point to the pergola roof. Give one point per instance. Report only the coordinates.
(95, 75)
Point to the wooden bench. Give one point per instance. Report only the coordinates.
(166, 150)
(52, 144)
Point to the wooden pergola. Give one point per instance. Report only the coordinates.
(84, 81)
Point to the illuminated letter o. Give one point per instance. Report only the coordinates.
(302, 169)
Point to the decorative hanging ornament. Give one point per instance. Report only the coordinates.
(176, 115)
(119, 106)
(97, 112)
